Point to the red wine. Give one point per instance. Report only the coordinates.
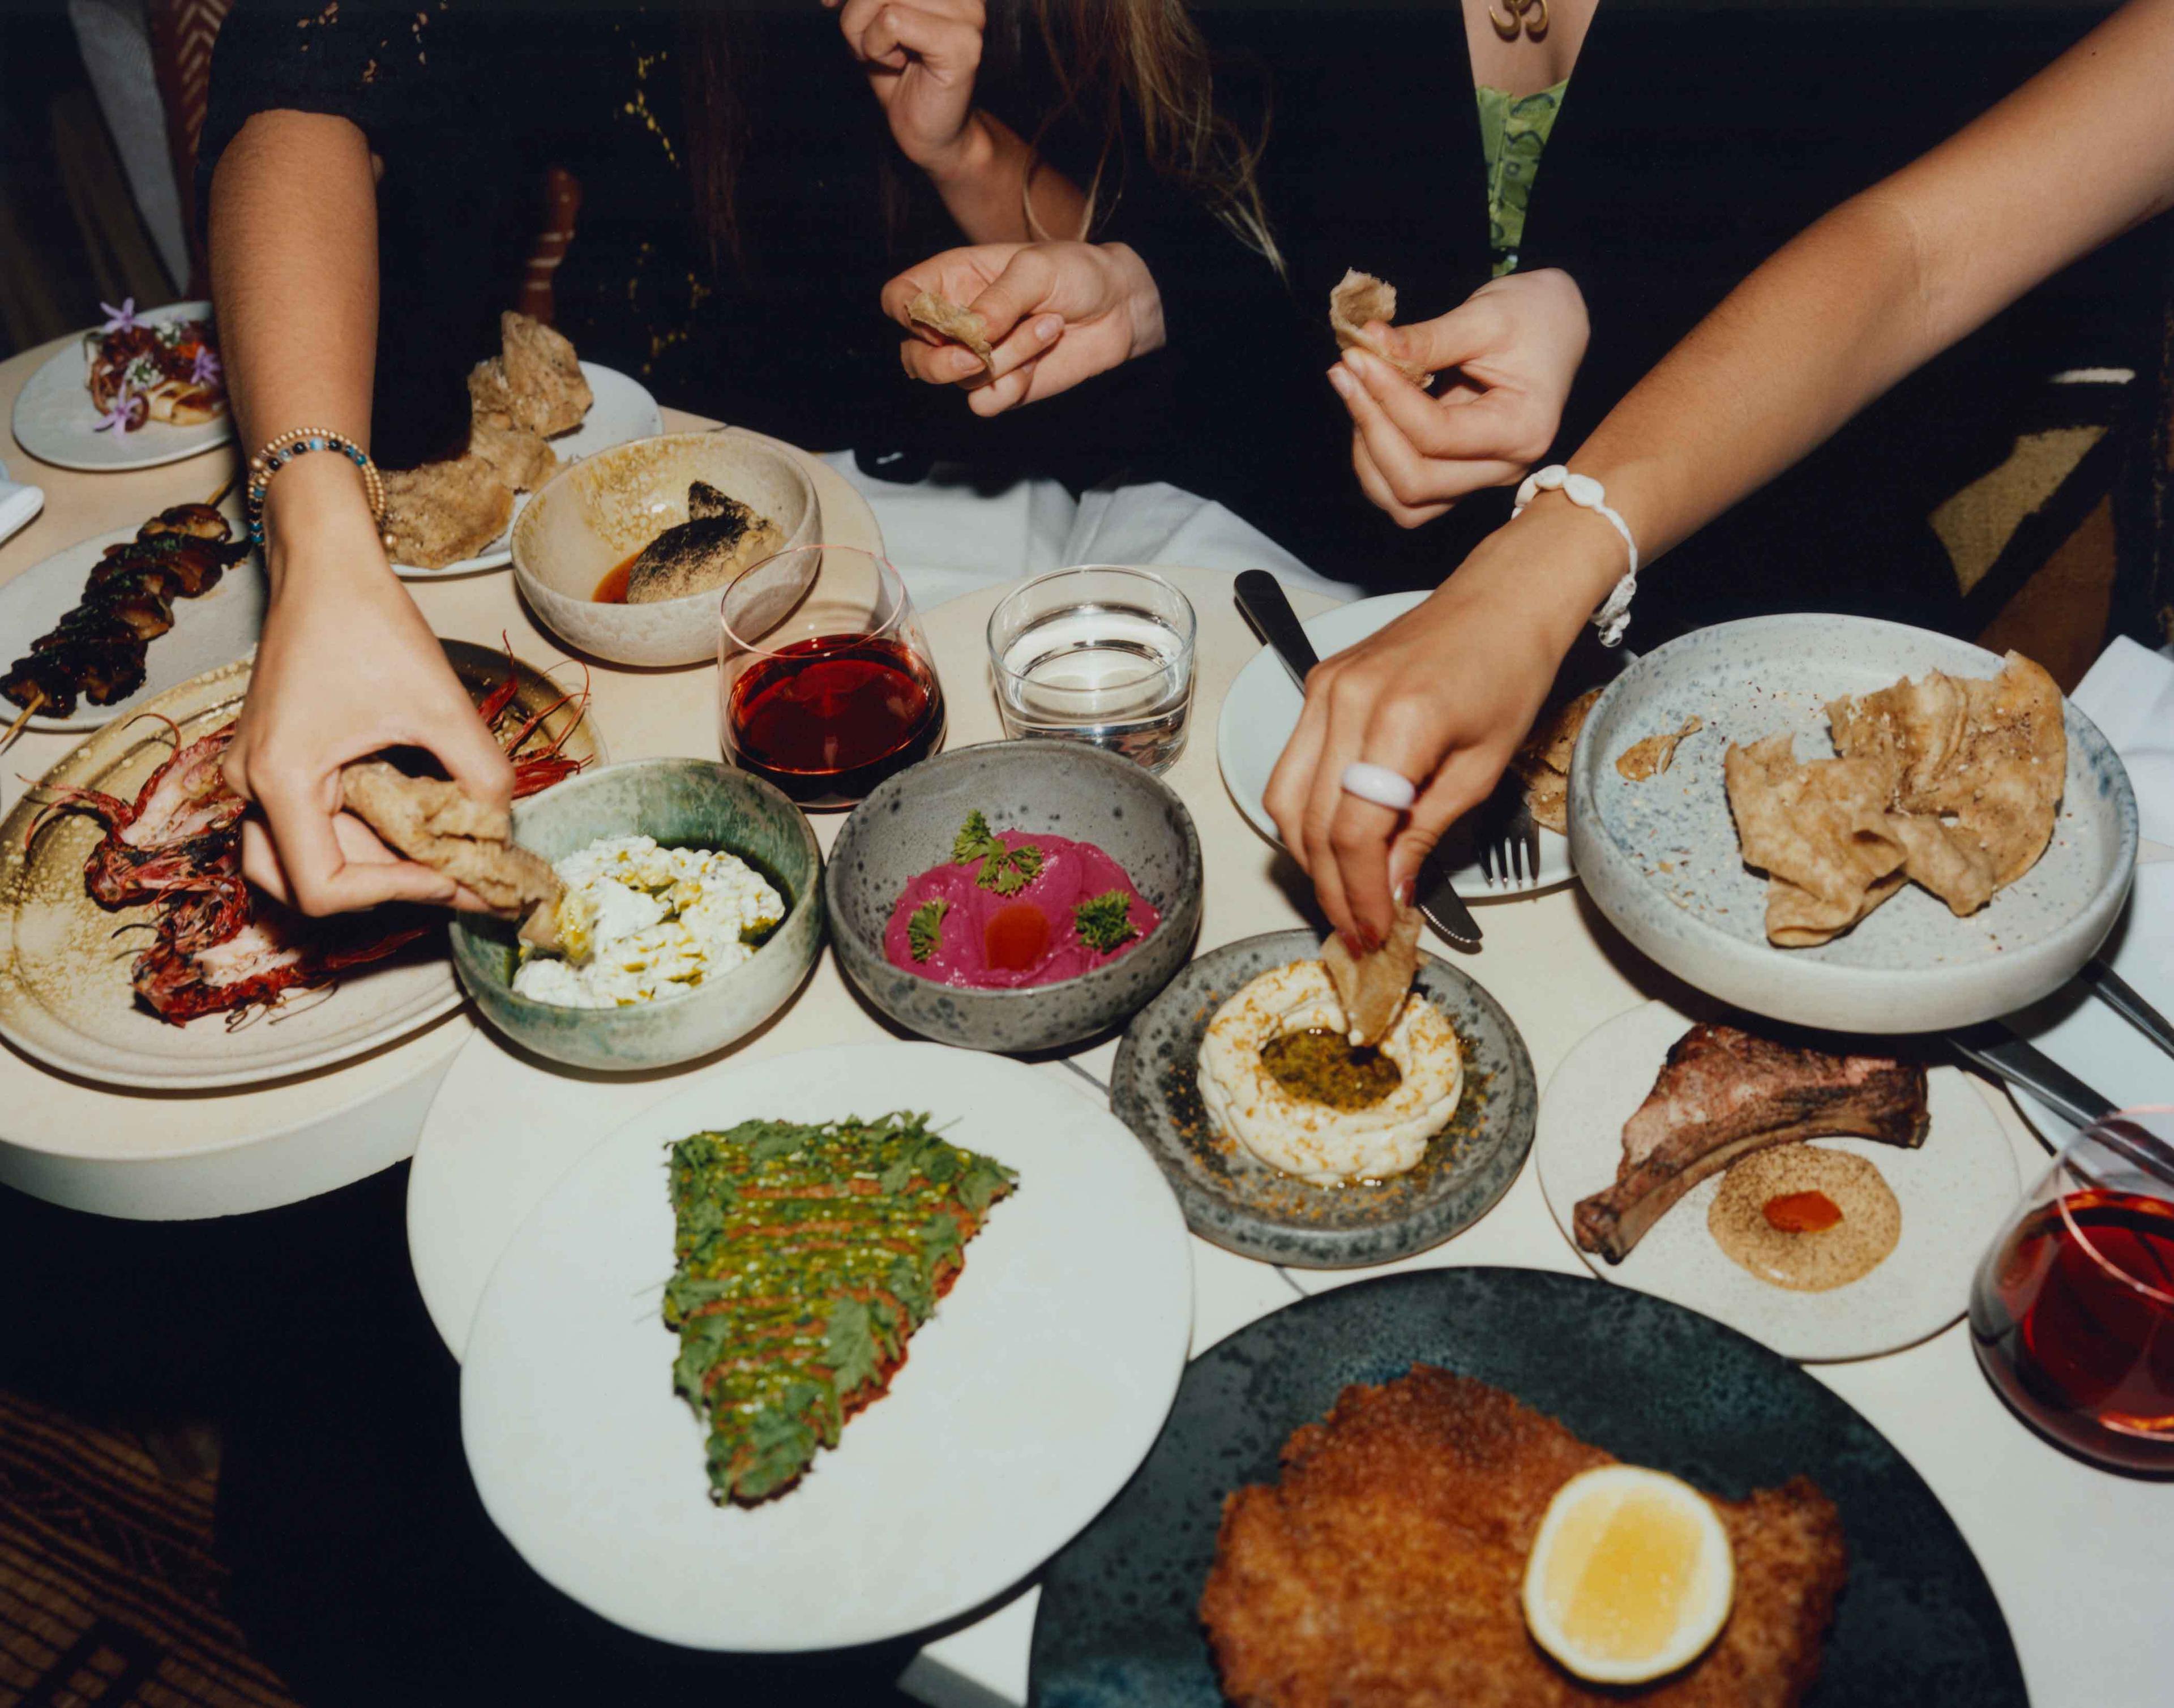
(2073, 1322)
(829, 718)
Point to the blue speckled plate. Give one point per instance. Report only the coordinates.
(1245, 1206)
(1661, 860)
(1649, 1381)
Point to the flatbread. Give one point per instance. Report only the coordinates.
(941, 315)
(445, 512)
(1358, 298)
(435, 823)
(1644, 760)
(535, 382)
(1819, 829)
(1372, 988)
(1543, 763)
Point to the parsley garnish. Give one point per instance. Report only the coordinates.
(1005, 870)
(924, 928)
(1104, 921)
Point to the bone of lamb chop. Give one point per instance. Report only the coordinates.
(1725, 1093)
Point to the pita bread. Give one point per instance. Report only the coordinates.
(535, 382)
(1644, 760)
(1819, 830)
(433, 823)
(442, 513)
(1358, 298)
(1372, 988)
(944, 317)
(1543, 763)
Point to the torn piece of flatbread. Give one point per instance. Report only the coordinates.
(1984, 760)
(1358, 298)
(535, 382)
(435, 823)
(1820, 830)
(1644, 760)
(1372, 988)
(941, 315)
(1543, 763)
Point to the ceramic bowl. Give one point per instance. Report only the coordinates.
(694, 803)
(592, 515)
(1062, 788)
(1662, 859)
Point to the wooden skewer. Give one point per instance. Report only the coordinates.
(30, 712)
(212, 502)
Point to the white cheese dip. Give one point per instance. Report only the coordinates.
(638, 922)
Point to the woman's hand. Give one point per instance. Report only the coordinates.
(346, 665)
(1442, 696)
(920, 58)
(1058, 313)
(1514, 347)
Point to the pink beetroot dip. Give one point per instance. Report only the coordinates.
(992, 942)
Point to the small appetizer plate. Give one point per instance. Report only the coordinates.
(1956, 1191)
(1262, 710)
(1241, 1204)
(624, 409)
(1023, 1405)
(214, 629)
(1661, 857)
(55, 421)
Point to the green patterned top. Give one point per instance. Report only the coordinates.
(1513, 129)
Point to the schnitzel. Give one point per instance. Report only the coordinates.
(1385, 1566)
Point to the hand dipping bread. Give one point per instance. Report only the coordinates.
(433, 823)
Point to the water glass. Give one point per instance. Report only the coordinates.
(1099, 654)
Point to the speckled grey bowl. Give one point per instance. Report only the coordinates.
(1234, 1200)
(1662, 859)
(694, 803)
(1062, 788)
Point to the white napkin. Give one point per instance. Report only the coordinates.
(949, 536)
(17, 505)
(2129, 695)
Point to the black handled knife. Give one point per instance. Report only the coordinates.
(1262, 598)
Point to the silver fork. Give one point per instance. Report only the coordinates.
(1514, 848)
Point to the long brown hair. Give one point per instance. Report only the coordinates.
(1115, 63)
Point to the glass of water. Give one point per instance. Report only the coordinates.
(1099, 654)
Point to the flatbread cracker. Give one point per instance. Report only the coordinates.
(1372, 988)
(1820, 830)
(1358, 298)
(1644, 760)
(941, 315)
(1543, 763)
(435, 823)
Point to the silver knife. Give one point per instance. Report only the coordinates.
(2009, 1058)
(2118, 994)
(1266, 606)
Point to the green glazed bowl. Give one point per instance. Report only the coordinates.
(694, 803)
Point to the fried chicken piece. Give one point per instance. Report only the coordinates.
(1385, 1568)
(445, 512)
(537, 384)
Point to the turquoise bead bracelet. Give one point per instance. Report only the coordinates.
(276, 453)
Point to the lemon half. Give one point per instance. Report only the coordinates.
(1630, 1576)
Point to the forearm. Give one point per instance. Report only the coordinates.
(293, 259)
(990, 177)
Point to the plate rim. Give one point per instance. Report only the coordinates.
(1176, 1323)
(1241, 1344)
(1127, 1072)
(72, 348)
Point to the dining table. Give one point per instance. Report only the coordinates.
(2077, 1557)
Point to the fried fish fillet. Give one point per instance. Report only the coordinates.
(1385, 1567)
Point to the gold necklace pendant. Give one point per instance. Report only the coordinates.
(1527, 18)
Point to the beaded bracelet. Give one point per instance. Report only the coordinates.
(1614, 616)
(276, 453)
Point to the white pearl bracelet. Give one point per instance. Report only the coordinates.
(1614, 616)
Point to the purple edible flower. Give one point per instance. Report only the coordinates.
(207, 370)
(127, 414)
(124, 318)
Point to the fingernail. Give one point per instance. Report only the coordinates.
(1353, 943)
(1048, 326)
(1342, 381)
(965, 362)
(1403, 890)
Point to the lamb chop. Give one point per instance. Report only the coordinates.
(1725, 1093)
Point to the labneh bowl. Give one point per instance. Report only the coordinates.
(1050, 787)
(592, 515)
(689, 803)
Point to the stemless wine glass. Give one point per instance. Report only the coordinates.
(2072, 1313)
(826, 686)
(1100, 654)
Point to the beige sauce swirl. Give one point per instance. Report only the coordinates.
(1812, 1261)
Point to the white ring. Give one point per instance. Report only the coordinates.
(1380, 785)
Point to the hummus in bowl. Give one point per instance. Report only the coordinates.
(1326, 1138)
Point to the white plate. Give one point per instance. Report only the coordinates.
(215, 630)
(1955, 1191)
(56, 422)
(2090, 1039)
(1661, 860)
(64, 992)
(1024, 1405)
(623, 410)
(1262, 710)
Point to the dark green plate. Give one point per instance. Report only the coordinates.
(1241, 1204)
(1649, 1381)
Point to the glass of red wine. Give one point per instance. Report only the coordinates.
(2073, 1312)
(825, 685)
